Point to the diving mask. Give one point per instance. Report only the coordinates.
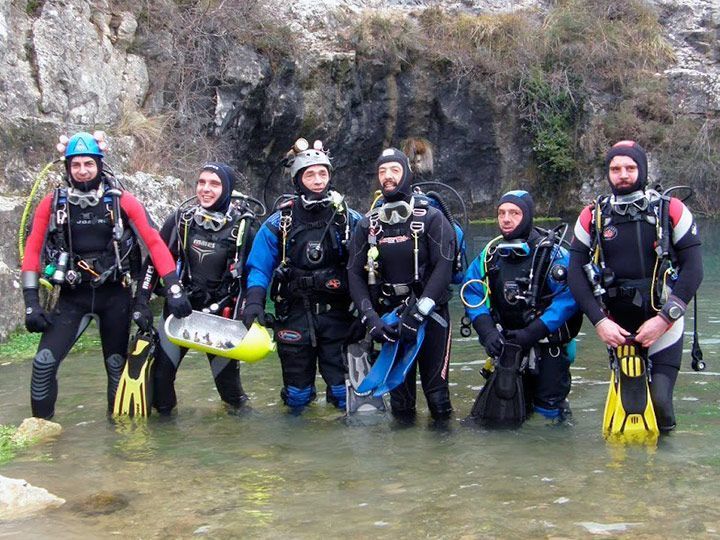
(83, 199)
(630, 203)
(518, 248)
(331, 198)
(211, 221)
(395, 212)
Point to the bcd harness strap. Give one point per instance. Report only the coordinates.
(375, 228)
(61, 225)
(657, 213)
(235, 263)
(285, 228)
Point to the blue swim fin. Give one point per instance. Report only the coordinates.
(381, 368)
(399, 371)
(384, 361)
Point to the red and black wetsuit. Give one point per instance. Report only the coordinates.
(628, 241)
(88, 236)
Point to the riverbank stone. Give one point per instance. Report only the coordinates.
(34, 430)
(19, 499)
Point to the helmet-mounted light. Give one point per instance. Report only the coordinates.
(305, 157)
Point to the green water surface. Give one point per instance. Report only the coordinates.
(268, 474)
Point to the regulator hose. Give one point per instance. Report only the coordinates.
(28, 205)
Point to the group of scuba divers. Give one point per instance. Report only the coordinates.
(364, 299)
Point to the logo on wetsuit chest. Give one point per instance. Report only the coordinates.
(89, 218)
(609, 232)
(394, 239)
(203, 248)
(333, 284)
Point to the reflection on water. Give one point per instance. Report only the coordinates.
(265, 473)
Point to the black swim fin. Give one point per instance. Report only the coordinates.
(501, 402)
(629, 415)
(357, 357)
(134, 393)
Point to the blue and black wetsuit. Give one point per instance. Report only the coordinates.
(507, 303)
(300, 255)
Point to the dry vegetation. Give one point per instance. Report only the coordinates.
(554, 66)
(187, 44)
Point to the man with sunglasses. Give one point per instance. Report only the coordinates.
(515, 291)
(642, 251)
(299, 255)
(84, 242)
(401, 261)
(210, 240)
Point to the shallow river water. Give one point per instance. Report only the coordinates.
(268, 474)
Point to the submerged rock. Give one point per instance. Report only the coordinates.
(19, 499)
(101, 503)
(36, 430)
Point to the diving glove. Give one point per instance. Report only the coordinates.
(379, 330)
(254, 307)
(410, 322)
(143, 316)
(177, 301)
(489, 335)
(36, 318)
(528, 336)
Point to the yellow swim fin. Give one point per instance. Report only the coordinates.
(134, 393)
(632, 418)
(610, 404)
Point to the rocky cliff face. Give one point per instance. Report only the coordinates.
(67, 65)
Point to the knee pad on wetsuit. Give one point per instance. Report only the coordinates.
(337, 395)
(43, 384)
(295, 397)
(44, 368)
(439, 404)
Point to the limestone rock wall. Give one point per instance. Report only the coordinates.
(67, 65)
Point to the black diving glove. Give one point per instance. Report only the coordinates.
(254, 307)
(410, 322)
(528, 336)
(176, 299)
(36, 318)
(379, 330)
(143, 316)
(489, 336)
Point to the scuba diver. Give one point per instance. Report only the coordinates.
(300, 254)
(211, 240)
(516, 294)
(635, 263)
(85, 241)
(400, 268)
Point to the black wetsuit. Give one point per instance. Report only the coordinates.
(206, 259)
(628, 244)
(397, 283)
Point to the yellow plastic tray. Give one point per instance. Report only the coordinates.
(220, 336)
